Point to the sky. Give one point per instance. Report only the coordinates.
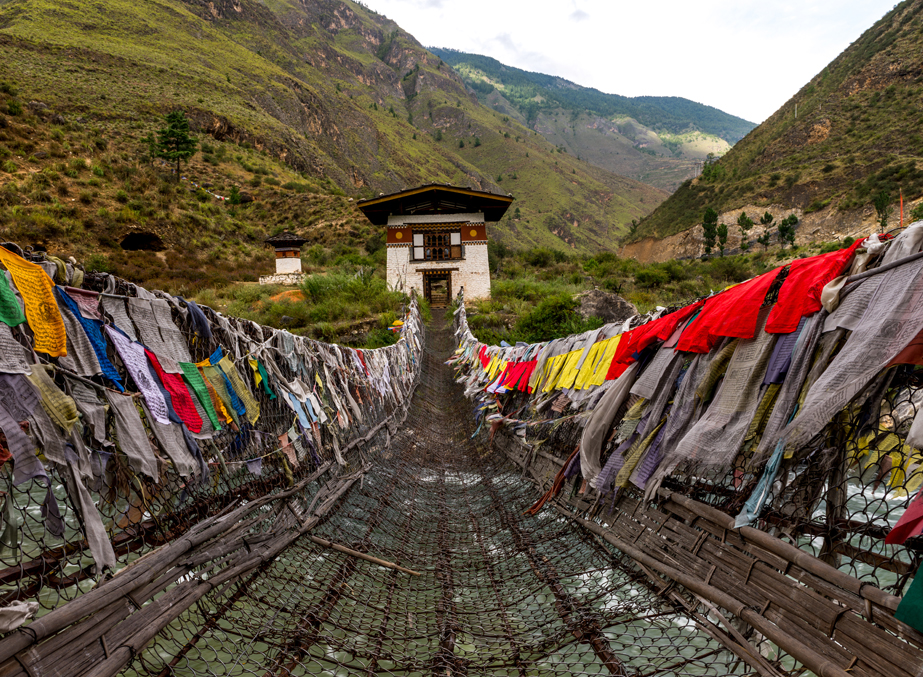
(745, 57)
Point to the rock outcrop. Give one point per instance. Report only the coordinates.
(608, 306)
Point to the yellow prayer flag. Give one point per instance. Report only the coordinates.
(42, 312)
(257, 376)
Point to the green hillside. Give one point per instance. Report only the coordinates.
(339, 95)
(534, 92)
(658, 140)
(850, 134)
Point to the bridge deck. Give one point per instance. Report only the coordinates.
(500, 593)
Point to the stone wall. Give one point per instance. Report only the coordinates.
(398, 267)
(283, 278)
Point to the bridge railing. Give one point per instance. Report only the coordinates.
(773, 424)
(131, 418)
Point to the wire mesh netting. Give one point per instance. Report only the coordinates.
(499, 593)
(372, 520)
(792, 450)
(837, 499)
(234, 457)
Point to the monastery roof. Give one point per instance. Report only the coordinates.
(435, 198)
(285, 239)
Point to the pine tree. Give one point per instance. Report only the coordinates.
(883, 208)
(174, 143)
(722, 231)
(710, 229)
(745, 223)
(786, 228)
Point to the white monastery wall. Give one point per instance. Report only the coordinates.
(288, 265)
(472, 272)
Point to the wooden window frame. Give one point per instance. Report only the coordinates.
(437, 245)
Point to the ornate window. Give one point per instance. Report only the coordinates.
(437, 245)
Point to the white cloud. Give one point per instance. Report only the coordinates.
(746, 57)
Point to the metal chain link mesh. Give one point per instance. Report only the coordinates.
(500, 593)
(139, 513)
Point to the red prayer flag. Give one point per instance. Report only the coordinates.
(910, 524)
(179, 393)
(639, 338)
(732, 313)
(800, 293)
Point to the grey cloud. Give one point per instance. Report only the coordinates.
(579, 15)
(505, 40)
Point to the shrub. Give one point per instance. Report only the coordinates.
(97, 263)
(316, 254)
(543, 258)
(379, 338)
(651, 277)
(296, 186)
(729, 269)
(121, 196)
(553, 317)
(14, 107)
(916, 214)
(675, 270)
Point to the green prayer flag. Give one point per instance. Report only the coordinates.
(910, 610)
(194, 380)
(265, 381)
(10, 311)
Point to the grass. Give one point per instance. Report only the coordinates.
(330, 123)
(86, 202)
(339, 302)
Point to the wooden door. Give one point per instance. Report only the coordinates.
(437, 289)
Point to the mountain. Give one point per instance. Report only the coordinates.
(849, 135)
(659, 140)
(328, 87)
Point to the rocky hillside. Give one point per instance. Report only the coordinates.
(848, 136)
(658, 140)
(335, 92)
